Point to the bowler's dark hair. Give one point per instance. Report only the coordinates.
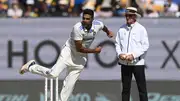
(89, 11)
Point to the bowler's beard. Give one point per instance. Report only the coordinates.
(87, 26)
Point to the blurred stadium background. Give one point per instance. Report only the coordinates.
(37, 29)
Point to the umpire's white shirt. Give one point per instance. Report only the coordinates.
(134, 40)
(87, 37)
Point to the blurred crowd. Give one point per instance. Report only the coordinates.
(73, 8)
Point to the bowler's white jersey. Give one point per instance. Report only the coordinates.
(87, 37)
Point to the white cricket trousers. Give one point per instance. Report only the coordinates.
(74, 67)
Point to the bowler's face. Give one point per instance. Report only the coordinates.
(86, 20)
(130, 18)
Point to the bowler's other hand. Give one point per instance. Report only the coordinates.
(110, 34)
(129, 57)
(122, 56)
(98, 49)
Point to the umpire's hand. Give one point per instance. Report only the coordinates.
(122, 56)
(129, 57)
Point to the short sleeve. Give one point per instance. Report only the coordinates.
(101, 25)
(98, 24)
(76, 35)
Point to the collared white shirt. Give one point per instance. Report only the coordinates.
(87, 37)
(133, 40)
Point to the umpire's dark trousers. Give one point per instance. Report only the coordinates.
(126, 76)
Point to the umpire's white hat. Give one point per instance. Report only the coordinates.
(132, 10)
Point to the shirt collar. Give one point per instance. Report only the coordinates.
(91, 30)
(131, 26)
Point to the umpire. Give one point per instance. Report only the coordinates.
(131, 45)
